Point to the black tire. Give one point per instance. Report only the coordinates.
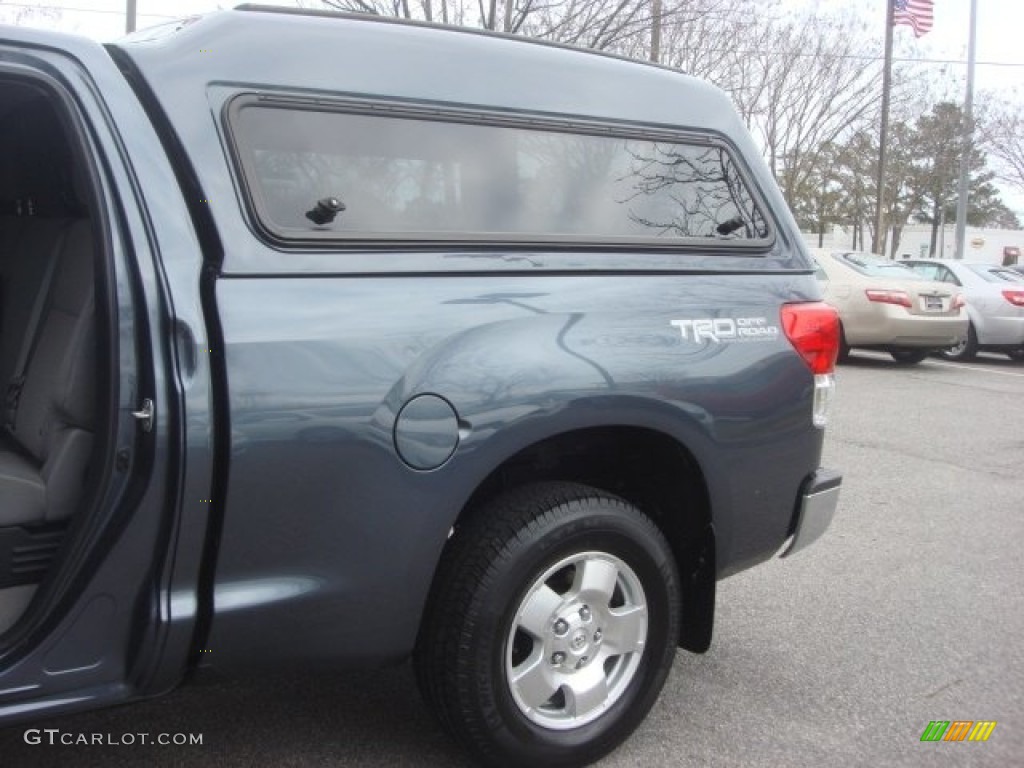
(844, 348)
(965, 351)
(472, 641)
(908, 356)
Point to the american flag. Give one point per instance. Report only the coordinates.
(915, 13)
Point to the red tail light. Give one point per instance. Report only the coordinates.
(1014, 297)
(902, 298)
(813, 329)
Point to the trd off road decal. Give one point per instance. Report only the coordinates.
(719, 330)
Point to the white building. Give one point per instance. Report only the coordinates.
(987, 245)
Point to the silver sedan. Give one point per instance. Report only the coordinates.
(995, 305)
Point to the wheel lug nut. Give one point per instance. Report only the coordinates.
(598, 635)
(561, 627)
(582, 662)
(557, 658)
(585, 613)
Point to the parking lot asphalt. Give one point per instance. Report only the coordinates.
(910, 609)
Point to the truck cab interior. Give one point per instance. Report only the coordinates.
(48, 339)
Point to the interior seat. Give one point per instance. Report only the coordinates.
(47, 345)
(46, 340)
(45, 455)
(28, 270)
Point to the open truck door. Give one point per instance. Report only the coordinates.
(97, 483)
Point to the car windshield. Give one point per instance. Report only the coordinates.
(876, 266)
(996, 274)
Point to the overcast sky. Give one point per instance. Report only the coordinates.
(1000, 38)
(999, 42)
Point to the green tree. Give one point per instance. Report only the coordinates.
(902, 192)
(817, 196)
(854, 170)
(940, 145)
(921, 184)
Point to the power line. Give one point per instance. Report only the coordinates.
(852, 56)
(964, 62)
(930, 61)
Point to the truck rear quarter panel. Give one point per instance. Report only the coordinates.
(329, 540)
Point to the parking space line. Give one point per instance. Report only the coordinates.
(963, 367)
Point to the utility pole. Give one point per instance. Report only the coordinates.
(968, 139)
(942, 234)
(129, 21)
(878, 241)
(656, 30)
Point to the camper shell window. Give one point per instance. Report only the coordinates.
(362, 172)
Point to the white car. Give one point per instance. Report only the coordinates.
(995, 305)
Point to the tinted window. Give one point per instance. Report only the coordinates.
(409, 176)
(996, 274)
(930, 271)
(936, 272)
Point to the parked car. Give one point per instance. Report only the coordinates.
(995, 305)
(333, 339)
(884, 305)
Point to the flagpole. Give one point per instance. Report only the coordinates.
(878, 242)
(965, 157)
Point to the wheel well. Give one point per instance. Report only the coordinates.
(650, 470)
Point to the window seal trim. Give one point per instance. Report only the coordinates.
(284, 238)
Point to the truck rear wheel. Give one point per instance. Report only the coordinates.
(552, 626)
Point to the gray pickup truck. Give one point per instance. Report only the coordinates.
(333, 339)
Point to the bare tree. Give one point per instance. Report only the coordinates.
(1001, 133)
(23, 14)
(622, 26)
(814, 88)
(700, 37)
